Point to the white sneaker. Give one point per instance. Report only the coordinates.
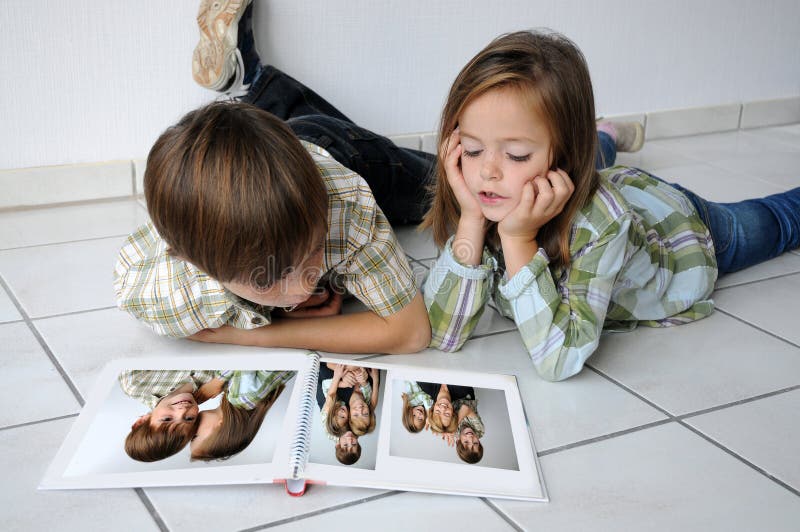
(215, 61)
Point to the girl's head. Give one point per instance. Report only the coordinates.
(338, 422)
(468, 446)
(362, 418)
(166, 429)
(523, 105)
(441, 416)
(414, 417)
(348, 450)
(228, 430)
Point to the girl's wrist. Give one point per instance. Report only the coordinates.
(467, 245)
(517, 252)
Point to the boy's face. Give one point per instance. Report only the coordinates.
(177, 408)
(469, 440)
(348, 441)
(292, 289)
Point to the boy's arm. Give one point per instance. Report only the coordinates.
(406, 331)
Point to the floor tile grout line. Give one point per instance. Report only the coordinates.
(10, 322)
(73, 313)
(505, 517)
(604, 437)
(148, 504)
(39, 421)
(738, 403)
(42, 343)
(743, 460)
(754, 326)
(91, 239)
(756, 281)
(321, 511)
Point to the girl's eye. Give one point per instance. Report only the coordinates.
(165, 419)
(519, 158)
(474, 153)
(189, 418)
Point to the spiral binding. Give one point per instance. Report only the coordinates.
(298, 453)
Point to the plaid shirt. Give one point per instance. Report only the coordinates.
(176, 299)
(150, 386)
(246, 388)
(416, 395)
(640, 255)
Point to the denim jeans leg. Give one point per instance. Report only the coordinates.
(606, 151)
(748, 232)
(285, 97)
(398, 177)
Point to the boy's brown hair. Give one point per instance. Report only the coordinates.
(147, 444)
(239, 427)
(232, 190)
(346, 457)
(549, 72)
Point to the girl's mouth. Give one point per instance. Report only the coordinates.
(184, 401)
(490, 198)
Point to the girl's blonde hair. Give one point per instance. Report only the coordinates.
(436, 425)
(239, 427)
(408, 416)
(361, 426)
(548, 71)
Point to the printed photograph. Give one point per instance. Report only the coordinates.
(451, 423)
(175, 419)
(345, 429)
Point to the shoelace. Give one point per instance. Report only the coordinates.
(237, 89)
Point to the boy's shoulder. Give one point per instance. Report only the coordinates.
(340, 182)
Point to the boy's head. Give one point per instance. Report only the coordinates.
(469, 447)
(164, 431)
(232, 190)
(348, 450)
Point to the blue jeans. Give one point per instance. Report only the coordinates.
(746, 232)
(399, 177)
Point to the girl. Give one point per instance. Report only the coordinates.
(334, 411)
(565, 250)
(364, 400)
(229, 428)
(416, 404)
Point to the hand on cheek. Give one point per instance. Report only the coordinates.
(543, 198)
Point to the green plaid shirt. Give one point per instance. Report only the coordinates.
(176, 299)
(640, 255)
(246, 388)
(150, 386)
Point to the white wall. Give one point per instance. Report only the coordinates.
(96, 80)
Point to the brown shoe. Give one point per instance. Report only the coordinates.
(214, 61)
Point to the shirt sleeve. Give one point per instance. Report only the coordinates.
(170, 295)
(561, 326)
(378, 273)
(455, 296)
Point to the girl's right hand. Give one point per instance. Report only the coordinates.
(450, 152)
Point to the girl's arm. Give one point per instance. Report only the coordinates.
(330, 393)
(455, 296)
(561, 328)
(375, 374)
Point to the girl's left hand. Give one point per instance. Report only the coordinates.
(543, 198)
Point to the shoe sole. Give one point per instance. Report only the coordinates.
(214, 60)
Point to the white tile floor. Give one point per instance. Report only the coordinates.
(691, 428)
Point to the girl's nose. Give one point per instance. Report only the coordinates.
(489, 167)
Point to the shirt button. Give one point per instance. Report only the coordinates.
(256, 320)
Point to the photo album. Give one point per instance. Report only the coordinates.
(297, 418)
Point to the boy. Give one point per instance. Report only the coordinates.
(173, 397)
(256, 221)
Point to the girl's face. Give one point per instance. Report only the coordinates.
(444, 408)
(178, 407)
(418, 414)
(505, 144)
(341, 416)
(358, 407)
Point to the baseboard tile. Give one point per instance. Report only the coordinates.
(765, 113)
(693, 121)
(45, 185)
(51, 185)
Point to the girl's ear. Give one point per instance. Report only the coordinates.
(141, 420)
